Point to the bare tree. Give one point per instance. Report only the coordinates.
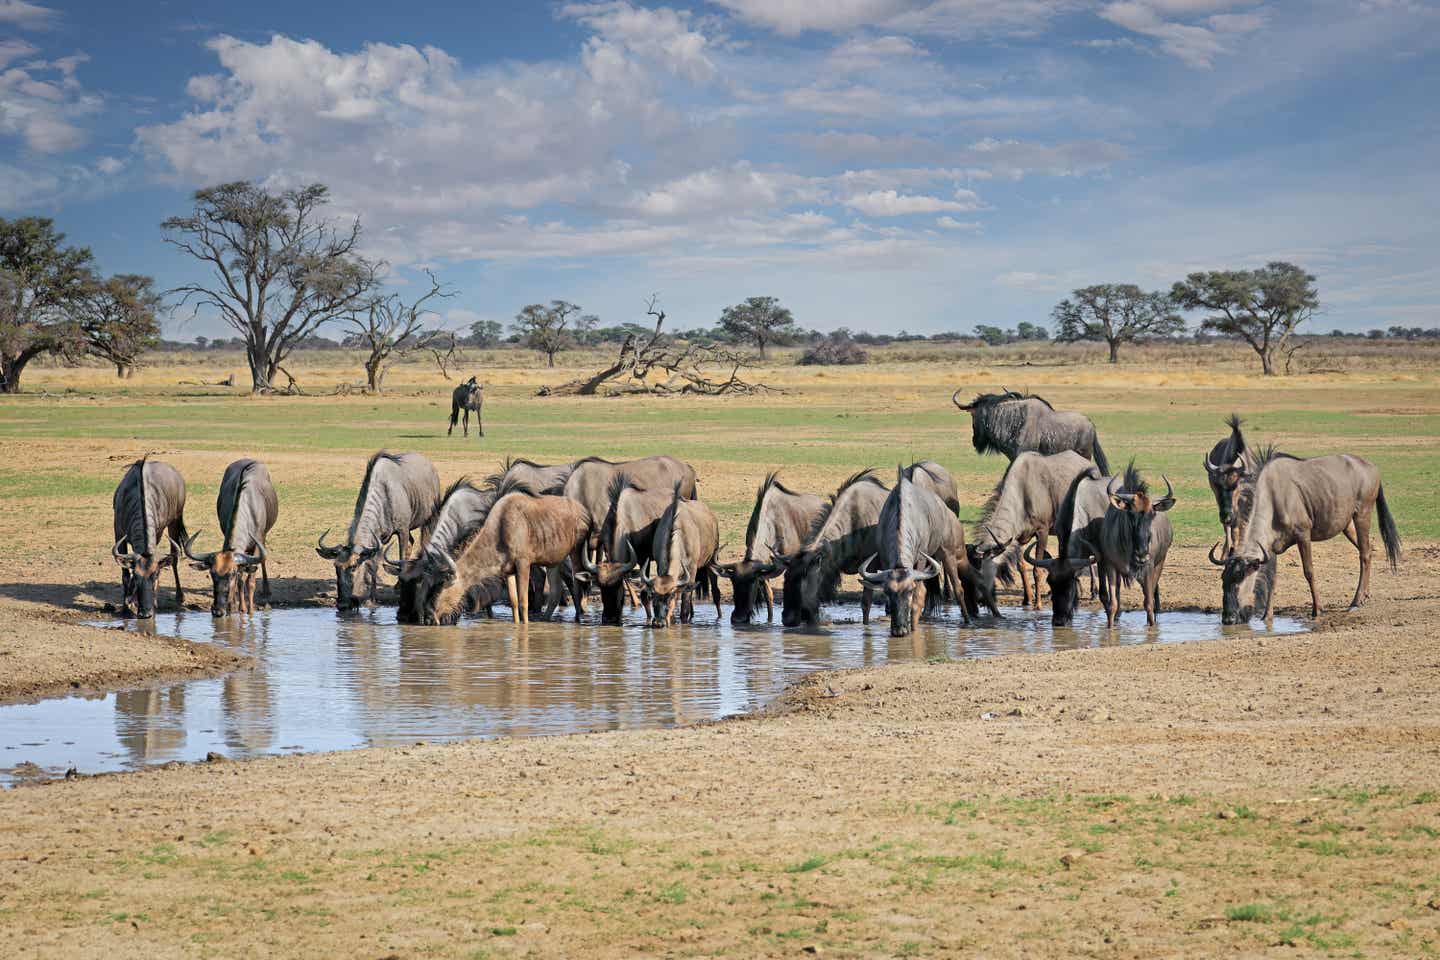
(551, 329)
(1116, 313)
(279, 270)
(392, 330)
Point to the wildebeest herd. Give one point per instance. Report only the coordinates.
(536, 535)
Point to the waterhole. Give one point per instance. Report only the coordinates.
(329, 681)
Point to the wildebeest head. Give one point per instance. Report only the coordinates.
(610, 576)
(810, 580)
(1245, 584)
(1225, 469)
(1063, 576)
(1131, 516)
(746, 578)
(995, 418)
(139, 573)
(347, 561)
(986, 568)
(665, 590)
(903, 590)
(232, 576)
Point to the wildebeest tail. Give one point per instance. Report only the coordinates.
(1388, 533)
(454, 410)
(1099, 456)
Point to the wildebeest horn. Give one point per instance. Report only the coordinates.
(1264, 555)
(630, 563)
(1167, 501)
(1218, 563)
(1000, 545)
(954, 399)
(1044, 563)
(1210, 467)
(447, 560)
(934, 570)
(1110, 489)
(875, 579)
(590, 571)
(327, 553)
(645, 575)
(368, 552)
(124, 559)
(774, 566)
(391, 567)
(189, 547)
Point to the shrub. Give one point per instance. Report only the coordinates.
(838, 349)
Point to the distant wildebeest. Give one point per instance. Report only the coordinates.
(919, 539)
(523, 530)
(539, 477)
(779, 523)
(1297, 503)
(1077, 530)
(463, 509)
(1023, 508)
(1230, 467)
(247, 508)
(840, 539)
(592, 482)
(470, 395)
(627, 540)
(686, 541)
(1134, 538)
(149, 507)
(400, 493)
(1012, 423)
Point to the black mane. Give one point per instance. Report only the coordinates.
(864, 476)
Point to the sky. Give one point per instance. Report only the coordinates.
(886, 165)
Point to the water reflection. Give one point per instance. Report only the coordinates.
(328, 681)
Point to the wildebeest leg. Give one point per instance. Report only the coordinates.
(769, 592)
(510, 586)
(1303, 545)
(1035, 569)
(715, 591)
(952, 581)
(1112, 603)
(1149, 585)
(249, 592)
(1024, 581)
(265, 575)
(1361, 539)
(480, 420)
(864, 604)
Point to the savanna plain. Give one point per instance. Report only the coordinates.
(1248, 796)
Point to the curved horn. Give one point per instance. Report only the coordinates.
(1111, 492)
(392, 567)
(1167, 501)
(1000, 545)
(954, 399)
(189, 547)
(1209, 466)
(124, 559)
(588, 563)
(645, 578)
(631, 563)
(1264, 555)
(1211, 555)
(1044, 563)
(446, 560)
(327, 553)
(934, 570)
(874, 579)
(368, 552)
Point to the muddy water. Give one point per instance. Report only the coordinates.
(327, 681)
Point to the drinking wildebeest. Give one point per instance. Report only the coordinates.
(1134, 537)
(247, 508)
(840, 539)
(1229, 467)
(400, 493)
(463, 510)
(523, 530)
(149, 505)
(592, 483)
(1011, 423)
(686, 541)
(470, 395)
(919, 539)
(779, 524)
(627, 540)
(1297, 503)
(1023, 508)
(1077, 529)
(540, 477)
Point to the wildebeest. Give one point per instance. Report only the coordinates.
(1077, 530)
(592, 483)
(918, 539)
(929, 475)
(779, 523)
(840, 539)
(1023, 508)
(149, 506)
(521, 531)
(626, 539)
(1134, 538)
(470, 395)
(400, 493)
(540, 477)
(247, 508)
(1297, 503)
(1230, 467)
(1012, 423)
(463, 510)
(687, 538)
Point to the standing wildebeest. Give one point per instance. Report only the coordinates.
(686, 541)
(400, 493)
(1011, 423)
(627, 540)
(247, 508)
(919, 539)
(1023, 508)
(470, 395)
(1296, 503)
(1077, 530)
(592, 483)
(462, 512)
(522, 530)
(840, 539)
(540, 477)
(929, 475)
(779, 524)
(1230, 467)
(149, 504)
(1134, 537)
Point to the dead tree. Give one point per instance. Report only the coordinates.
(392, 330)
(655, 363)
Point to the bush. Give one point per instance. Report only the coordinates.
(838, 349)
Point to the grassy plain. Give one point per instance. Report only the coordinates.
(1255, 797)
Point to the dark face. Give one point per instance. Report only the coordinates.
(981, 583)
(1137, 516)
(804, 580)
(904, 601)
(745, 587)
(1064, 583)
(612, 603)
(224, 588)
(1224, 483)
(346, 565)
(1242, 594)
(408, 610)
(138, 583)
(439, 598)
(664, 597)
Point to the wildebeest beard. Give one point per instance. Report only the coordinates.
(996, 422)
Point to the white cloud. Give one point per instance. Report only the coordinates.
(42, 101)
(660, 35)
(947, 18)
(892, 203)
(14, 49)
(950, 223)
(1196, 45)
(27, 16)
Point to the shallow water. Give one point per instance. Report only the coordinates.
(328, 681)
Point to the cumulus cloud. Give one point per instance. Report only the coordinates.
(659, 35)
(42, 101)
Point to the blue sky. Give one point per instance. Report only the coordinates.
(882, 164)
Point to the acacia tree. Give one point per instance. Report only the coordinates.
(1261, 307)
(41, 282)
(117, 318)
(759, 320)
(1115, 313)
(550, 329)
(392, 330)
(279, 269)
